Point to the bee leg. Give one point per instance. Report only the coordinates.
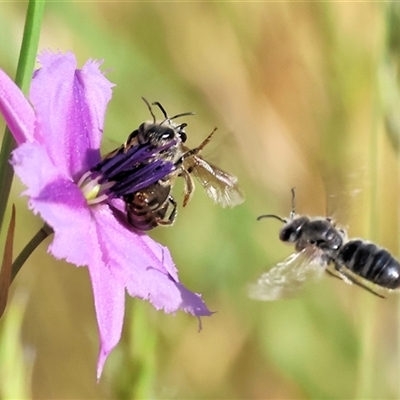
(168, 181)
(188, 188)
(333, 275)
(172, 216)
(205, 142)
(174, 212)
(350, 279)
(198, 149)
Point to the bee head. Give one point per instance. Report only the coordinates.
(164, 131)
(157, 134)
(292, 231)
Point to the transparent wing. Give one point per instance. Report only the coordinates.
(343, 189)
(109, 147)
(220, 186)
(288, 277)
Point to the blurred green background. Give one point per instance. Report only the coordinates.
(304, 95)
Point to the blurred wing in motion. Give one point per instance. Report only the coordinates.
(288, 277)
(220, 186)
(110, 147)
(342, 191)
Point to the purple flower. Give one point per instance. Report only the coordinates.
(58, 135)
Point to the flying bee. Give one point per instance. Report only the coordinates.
(155, 205)
(321, 246)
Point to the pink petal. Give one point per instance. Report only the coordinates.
(34, 167)
(190, 302)
(97, 92)
(138, 263)
(70, 107)
(17, 111)
(59, 202)
(109, 300)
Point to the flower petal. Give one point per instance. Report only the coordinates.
(17, 111)
(141, 265)
(70, 107)
(145, 266)
(34, 167)
(109, 300)
(59, 202)
(191, 302)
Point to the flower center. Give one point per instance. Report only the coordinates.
(126, 171)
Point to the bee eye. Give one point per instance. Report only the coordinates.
(288, 234)
(330, 235)
(181, 132)
(169, 134)
(183, 136)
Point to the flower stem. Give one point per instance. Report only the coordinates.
(23, 78)
(29, 248)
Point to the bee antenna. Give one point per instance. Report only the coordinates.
(272, 216)
(293, 212)
(182, 115)
(177, 116)
(150, 109)
(156, 103)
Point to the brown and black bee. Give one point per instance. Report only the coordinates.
(321, 246)
(154, 205)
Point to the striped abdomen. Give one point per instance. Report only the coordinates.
(370, 262)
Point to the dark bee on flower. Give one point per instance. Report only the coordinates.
(165, 135)
(153, 204)
(323, 247)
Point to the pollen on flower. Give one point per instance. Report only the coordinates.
(91, 194)
(92, 190)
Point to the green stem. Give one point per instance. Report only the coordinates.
(29, 248)
(23, 78)
(144, 337)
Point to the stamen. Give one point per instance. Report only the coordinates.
(98, 200)
(83, 178)
(127, 171)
